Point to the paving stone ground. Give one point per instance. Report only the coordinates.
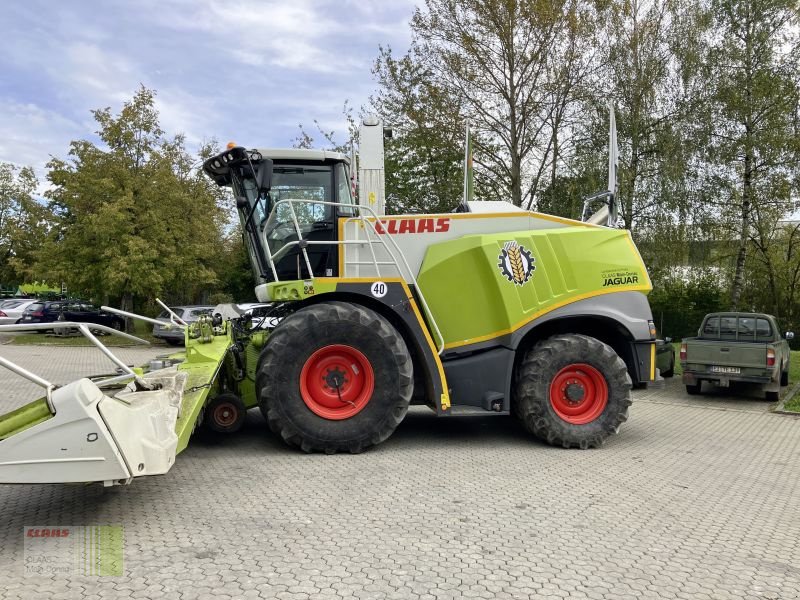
(694, 499)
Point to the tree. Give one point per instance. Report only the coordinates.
(750, 118)
(133, 217)
(22, 225)
(503, 60)
(644, 69)
(424, 158)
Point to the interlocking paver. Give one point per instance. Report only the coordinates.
(694, 499)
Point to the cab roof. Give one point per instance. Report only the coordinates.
(302, 154)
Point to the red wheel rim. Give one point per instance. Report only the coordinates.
(579, 394)
(337, 382)
(225, 414)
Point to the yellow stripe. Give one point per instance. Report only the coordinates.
(342, 246)
(504, 215)
(536, 315)
(653, 361)
(527, 213)
(445, 400)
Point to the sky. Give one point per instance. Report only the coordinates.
(242, 70)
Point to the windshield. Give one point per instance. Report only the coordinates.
(299, 198)
(733, 327)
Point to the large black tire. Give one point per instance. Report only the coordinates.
(694, 389)
(785, 377)
(297, 341)
(772, 396)
(545, 367)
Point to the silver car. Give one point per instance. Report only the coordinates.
(11, 310)
(174, 335)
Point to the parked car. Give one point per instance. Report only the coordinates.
(258, 310)
(79, 311)
(665, 357)
(732, 346)
(174, 335)
(11, 310)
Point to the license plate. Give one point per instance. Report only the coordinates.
(715, 369)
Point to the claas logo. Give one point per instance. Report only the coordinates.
(47, 532)
(395, 226)
(516, 263)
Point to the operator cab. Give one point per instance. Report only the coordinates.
(261, 180)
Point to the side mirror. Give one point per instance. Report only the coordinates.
(789, 335)
(264, 175)
(667, 340)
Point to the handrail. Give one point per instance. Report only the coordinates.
(83, 328)
(379, 238)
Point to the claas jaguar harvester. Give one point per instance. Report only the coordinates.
(489, 309)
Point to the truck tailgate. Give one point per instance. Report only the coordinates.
(727, 353)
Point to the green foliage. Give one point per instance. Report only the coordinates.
(424, 159)
(747, 123)
(22, 222)
(132, 218)
(679, 305)
(235, 272)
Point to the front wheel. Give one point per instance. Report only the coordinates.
(572, 391)
(785, 378)
(334, 377)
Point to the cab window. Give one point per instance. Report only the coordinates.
(763, 329)
(344, 188)
(712, 326)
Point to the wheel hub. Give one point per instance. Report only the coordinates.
(337, 382)
(335, 379)
(225, 415)
(579, 393)
(574, 392)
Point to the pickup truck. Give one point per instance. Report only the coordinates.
(733, 346)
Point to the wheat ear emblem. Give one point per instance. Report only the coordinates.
(516, 263)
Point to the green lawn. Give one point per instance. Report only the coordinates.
(794, 376)
(141, 330)
(678, 370)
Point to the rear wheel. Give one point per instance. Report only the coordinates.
(785, 378)
(334, 377)
(772, 396)
(572, 391)
(694, 389)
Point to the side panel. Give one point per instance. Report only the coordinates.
(484, 287)
(482, 380)
(413, 234)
